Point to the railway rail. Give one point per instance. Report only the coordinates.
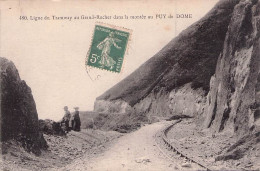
(161, 138)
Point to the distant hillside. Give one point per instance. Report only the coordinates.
(190, 57)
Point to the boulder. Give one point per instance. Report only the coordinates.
(51, 127)
(19, 118)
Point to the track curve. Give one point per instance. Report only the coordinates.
(161, 136)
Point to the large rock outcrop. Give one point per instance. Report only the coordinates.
(234, 97)
(19, 118)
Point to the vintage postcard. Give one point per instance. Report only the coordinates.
(129, 85)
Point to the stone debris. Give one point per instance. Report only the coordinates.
(186, 165)
(143, 160)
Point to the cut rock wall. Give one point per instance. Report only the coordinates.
(233, 100)
(19, 118)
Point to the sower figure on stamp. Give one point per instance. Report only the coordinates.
(75, 121)
(66, 118)
(105, 46)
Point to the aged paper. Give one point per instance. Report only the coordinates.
(73, 56)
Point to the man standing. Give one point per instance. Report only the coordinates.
(66, 118)
(76, 120)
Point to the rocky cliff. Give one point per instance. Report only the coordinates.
(210, 71)
(233, 100)
(19, 118)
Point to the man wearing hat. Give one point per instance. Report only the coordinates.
(75, 120)
(66, 118)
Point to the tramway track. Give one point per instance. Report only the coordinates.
(170, 151)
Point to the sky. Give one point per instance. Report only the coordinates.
(50, 54)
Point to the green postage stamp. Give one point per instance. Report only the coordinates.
(108, 47)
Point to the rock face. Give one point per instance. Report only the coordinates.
(19, 118)
(210, 71)
(233, 100)
(187, 101)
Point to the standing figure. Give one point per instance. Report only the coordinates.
(105, 46)
(66, 118)
(76, 120)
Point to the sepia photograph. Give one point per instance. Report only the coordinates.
(133, 85)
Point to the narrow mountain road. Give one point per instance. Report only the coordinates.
(134, 151)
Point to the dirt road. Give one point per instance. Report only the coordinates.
(134, 151)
